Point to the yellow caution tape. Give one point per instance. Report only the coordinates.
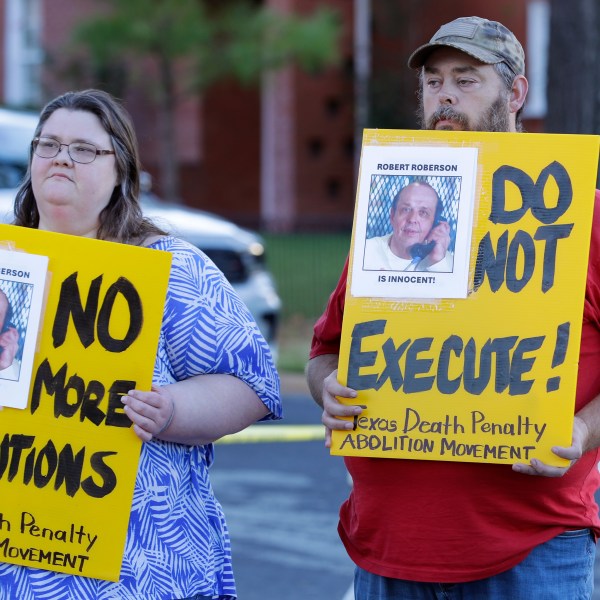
(275, 433)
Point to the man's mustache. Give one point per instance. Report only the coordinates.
(447, 113)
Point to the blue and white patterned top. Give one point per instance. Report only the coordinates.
(177, 542)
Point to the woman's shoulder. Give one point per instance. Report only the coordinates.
(171, 243)
(184, 255)
(188, 262)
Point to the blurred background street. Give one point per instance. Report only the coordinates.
(281, 501)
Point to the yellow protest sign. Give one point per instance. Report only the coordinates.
(68, 461)
(472, 358)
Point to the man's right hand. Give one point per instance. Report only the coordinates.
(321, 375)
(334, 410)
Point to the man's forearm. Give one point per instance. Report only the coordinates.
(317, 369)
(590, 414)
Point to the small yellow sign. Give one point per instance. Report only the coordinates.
(68, 461)
(488, 374)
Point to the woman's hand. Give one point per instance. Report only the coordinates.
(194, 411)
(150, 412)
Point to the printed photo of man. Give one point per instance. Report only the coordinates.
(420, 236)
(9, 342)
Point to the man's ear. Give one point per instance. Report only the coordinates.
(518, 93)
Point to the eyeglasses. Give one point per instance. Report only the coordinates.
(80, 152)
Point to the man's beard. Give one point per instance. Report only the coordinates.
(495, 118)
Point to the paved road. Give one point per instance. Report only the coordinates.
(281, 501)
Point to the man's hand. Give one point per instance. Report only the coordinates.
(333, 409)
(573, 453)
(440, 234)
(9, 346)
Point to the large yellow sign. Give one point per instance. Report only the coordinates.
(486, 373)
(68, 461)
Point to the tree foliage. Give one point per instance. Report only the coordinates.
(180, 47)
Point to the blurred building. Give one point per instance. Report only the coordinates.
(281, 155)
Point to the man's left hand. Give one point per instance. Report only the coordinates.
(572, 453)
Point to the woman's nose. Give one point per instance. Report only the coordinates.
(63, 155)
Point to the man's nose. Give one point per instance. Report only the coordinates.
(447, 96)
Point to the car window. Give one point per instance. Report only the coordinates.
(16, 129)
(229, 262)
(10, 174)
(15, 143)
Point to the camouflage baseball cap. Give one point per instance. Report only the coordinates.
(487, 41)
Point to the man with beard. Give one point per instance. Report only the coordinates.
(428, 529)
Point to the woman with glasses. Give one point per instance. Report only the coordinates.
(83, 179)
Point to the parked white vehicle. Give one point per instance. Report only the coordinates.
(16, 131)
(238, 252)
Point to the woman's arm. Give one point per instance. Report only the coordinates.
(224, 375)
(196, 411)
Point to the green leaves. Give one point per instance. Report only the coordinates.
(176, 47)
(233, 39)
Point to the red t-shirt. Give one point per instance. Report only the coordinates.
(449, 521)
